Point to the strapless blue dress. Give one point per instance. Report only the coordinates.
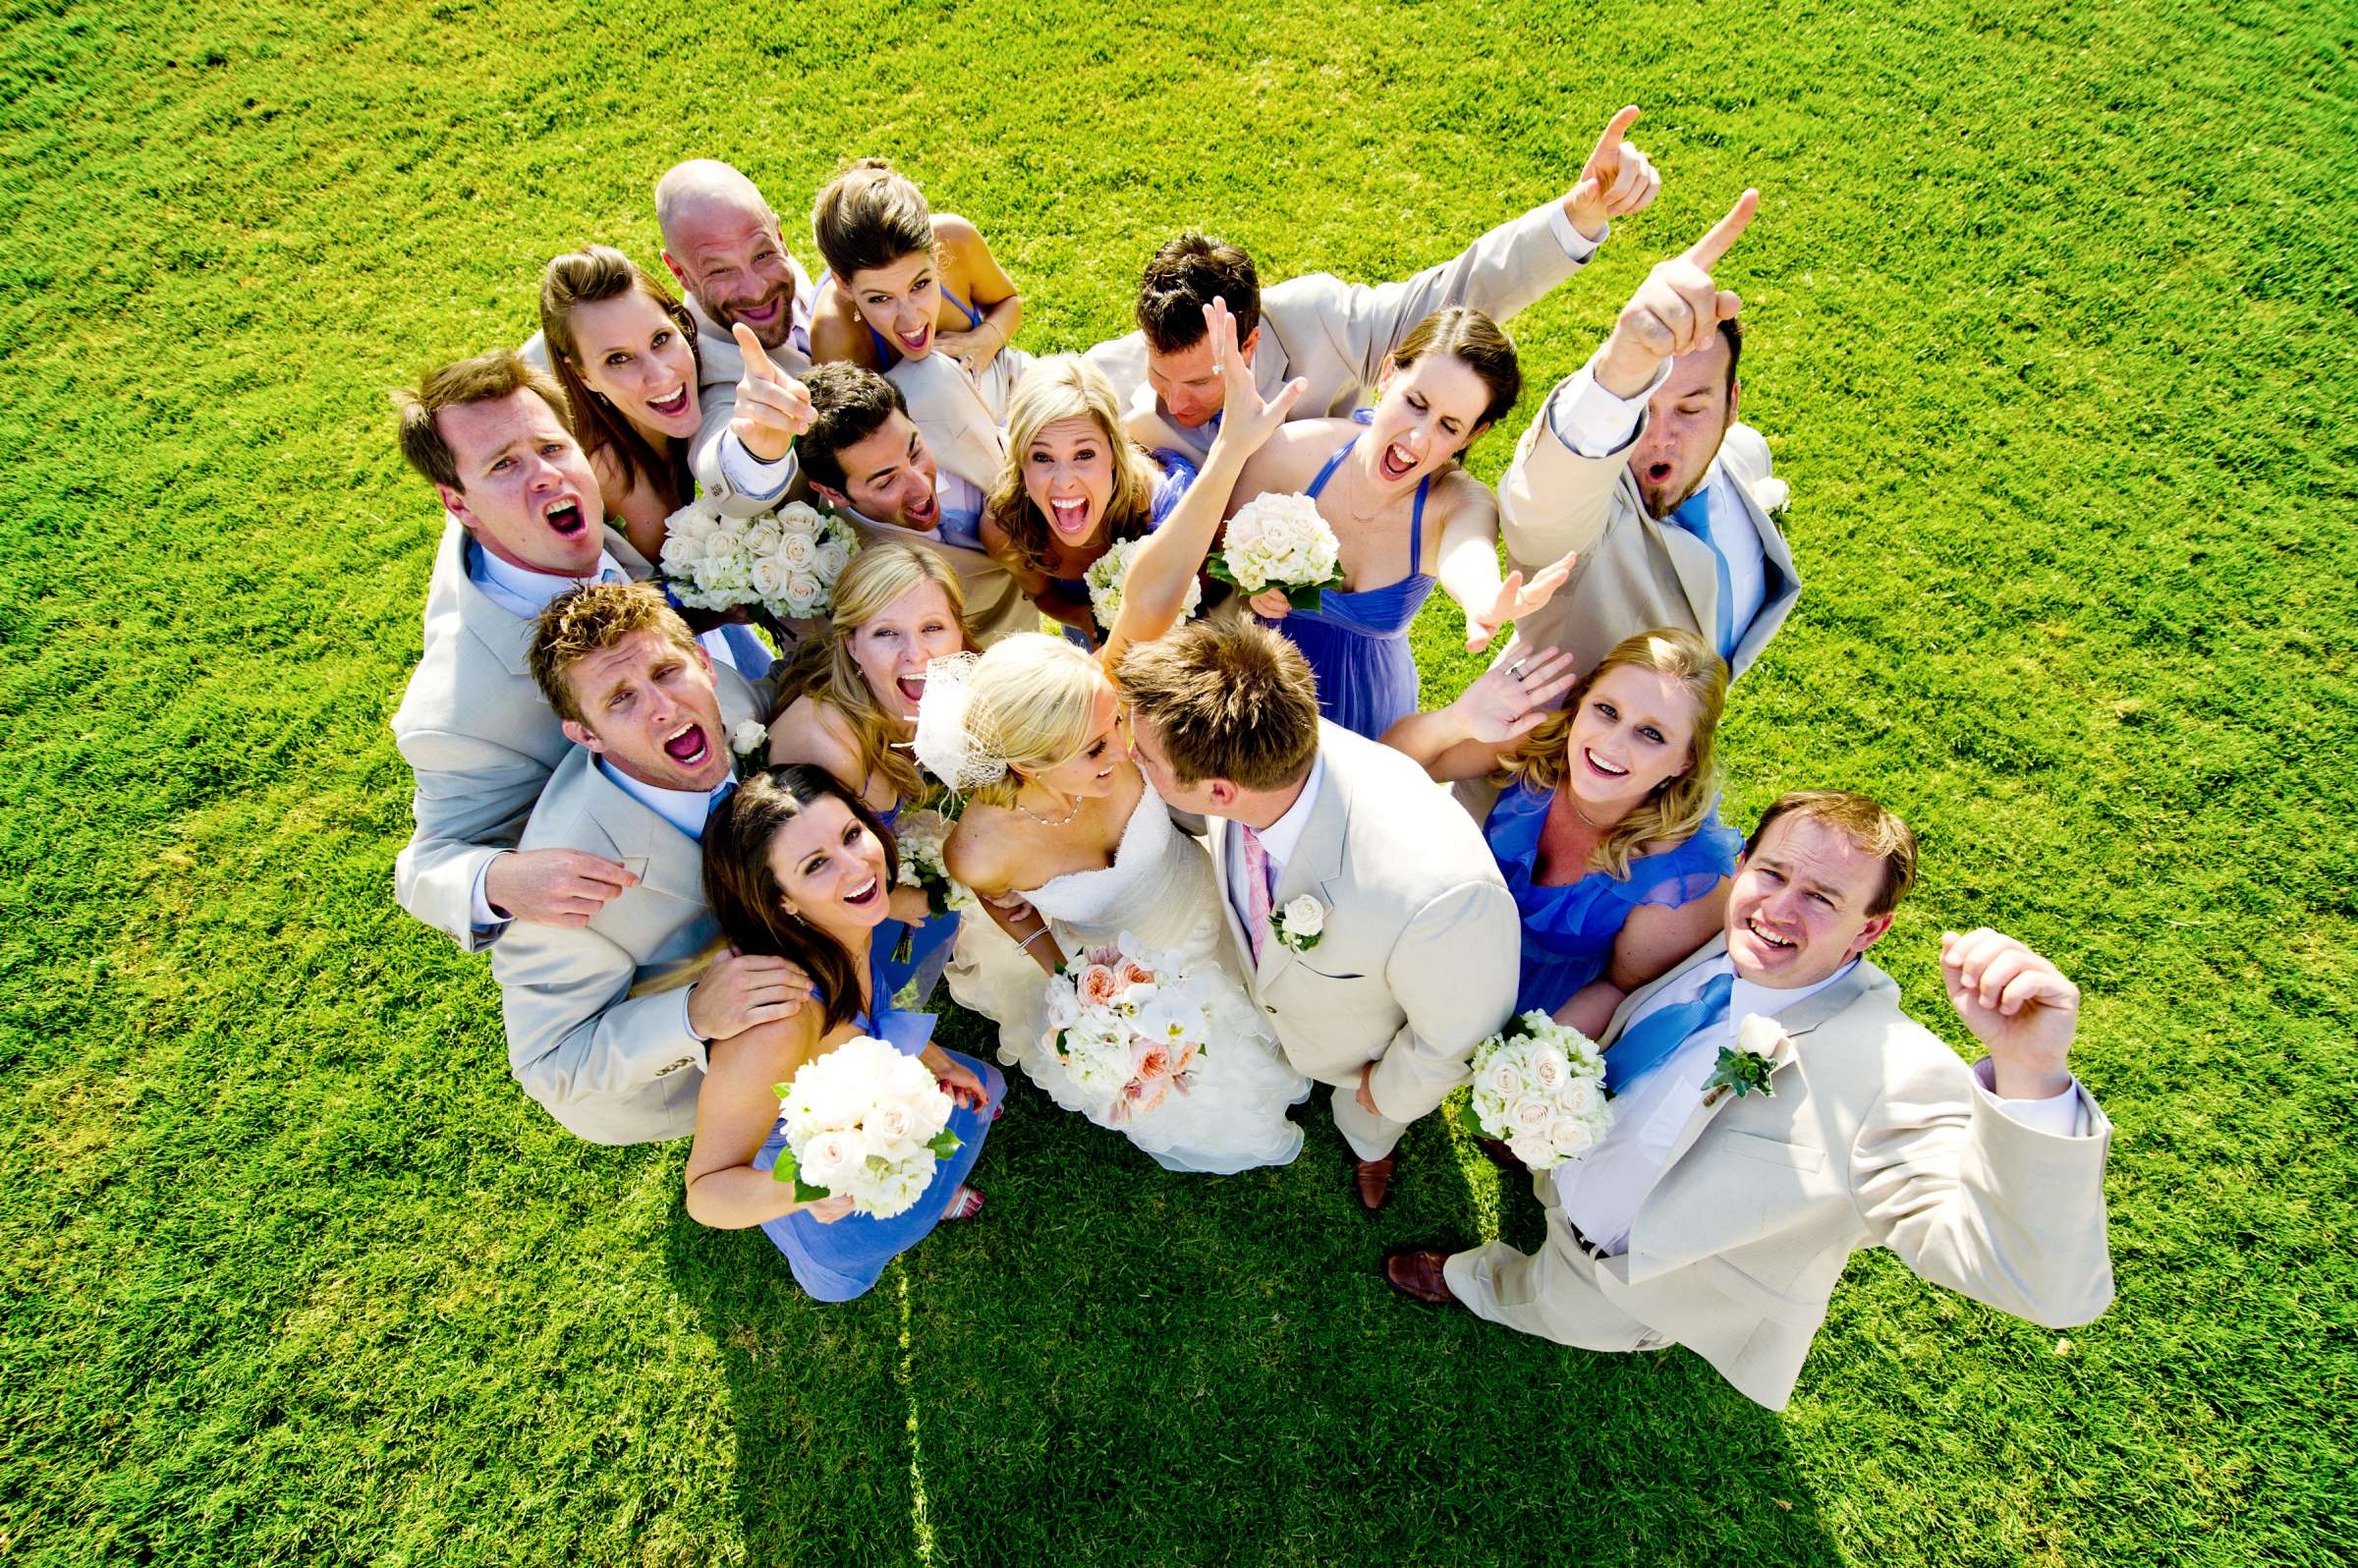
(845, 1260)
(1357, 642)
(1568, 932)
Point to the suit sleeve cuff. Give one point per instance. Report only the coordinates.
(1577, 245)
(2064, 1115)
(749, 475)
(1590, 421)
(694, 1042)
(487, 921)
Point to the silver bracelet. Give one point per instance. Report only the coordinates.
(1034, 937)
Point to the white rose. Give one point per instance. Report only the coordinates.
(833, 557)
(1549, 1068)
(1771, 492)
(750, 735)
(769, 577)
(1530, 1117)
(1304, 917)
(804, 593)
(831, 1158)
(1582, 1097)
(1501, 1079)
(798, 551)
(763, 537)
(1759, 1035)
(1065, 1009)
(1571, 1136)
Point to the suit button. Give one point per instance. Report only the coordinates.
(1273, 1009)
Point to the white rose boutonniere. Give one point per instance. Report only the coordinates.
(1300, 924)
(1774, 495)
(749, 740)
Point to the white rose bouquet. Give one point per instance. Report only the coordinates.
(1539, 1086)
(863, 1122)
(1104, 579)
(921, 836)
(784, 563)
(1279, 541)
(1127, 1026)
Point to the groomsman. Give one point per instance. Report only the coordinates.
(1378, 935)
(1334, 335)
(523, 522)
(1636, 462)
(1720, 1219)
(865, 457)
(600, 1030)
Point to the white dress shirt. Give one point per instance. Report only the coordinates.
(1278, 841)
(1600, 1194)
(1596, 424)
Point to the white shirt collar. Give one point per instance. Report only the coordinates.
(684, 809)
(1283, 836)
(1747, 998)
(524, 591)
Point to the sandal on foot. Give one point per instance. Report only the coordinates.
(965, 1204)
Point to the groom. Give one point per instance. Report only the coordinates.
(1721, 1220)
(1380, 938)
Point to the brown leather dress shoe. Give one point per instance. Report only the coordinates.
(1500, 1155)
(1419, 1274)
(1375, 1179)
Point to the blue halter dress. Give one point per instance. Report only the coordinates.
(845, 1260)
(1568, 932)
(1357, 643)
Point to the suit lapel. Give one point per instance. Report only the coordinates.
(1317, 862)
(668, 861)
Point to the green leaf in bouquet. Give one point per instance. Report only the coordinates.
(944, 1143)
(1470, 1121)
(787, 1170)
(1218, 569)
(1306, 595)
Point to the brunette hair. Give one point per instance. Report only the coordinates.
(849, 403)
(590, 276)
(1876, 829)
(1478, 343)
(825, 672)
(1183, 277)
(590, 619)
(869, 216)
(1064, 386)
(486, 378)
(747, 899)
(1235, 702)
(1677, 807)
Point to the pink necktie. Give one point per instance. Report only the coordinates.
(1257, 896)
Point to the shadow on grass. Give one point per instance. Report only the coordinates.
(1119, 1365)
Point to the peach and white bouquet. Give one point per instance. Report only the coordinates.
(1539, 1086)
(1127, 1026)
(1105, 576)
(863, 1122)
(783, 562)
(1279, 541)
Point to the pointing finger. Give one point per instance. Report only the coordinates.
(1608, 145)
(1706, 251)
(756, 358)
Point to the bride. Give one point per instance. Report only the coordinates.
(1059, 814)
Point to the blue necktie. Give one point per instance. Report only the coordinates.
(1694, 515)
(1647, 1044)
(720, 792)
(747, 651)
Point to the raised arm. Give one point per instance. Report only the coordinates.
(744, 448)
(1504, 704)
(1469, 569)
(1155, 594)
(1556, 496)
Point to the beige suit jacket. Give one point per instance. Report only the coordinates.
(480, 739)
(997, 606)
(612, 1067)
(1876, 1136)
(1337, 335)
(1634, 573)
(959, 416)
(1420, 956)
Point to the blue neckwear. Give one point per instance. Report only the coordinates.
(1649, 1042)
(747, 651)
(1694, 515)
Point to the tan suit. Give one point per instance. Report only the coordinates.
(1634, 573)
(1419, 959)
(1876, 1136)
(479, 739)
(1337, 335)
(612, 1067)
(959, 416)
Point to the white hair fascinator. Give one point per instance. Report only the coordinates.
(946, 744)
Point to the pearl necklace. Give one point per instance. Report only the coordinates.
(1044, 821)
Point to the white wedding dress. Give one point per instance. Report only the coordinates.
(1161, 890)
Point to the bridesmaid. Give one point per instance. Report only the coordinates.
(625, 352)
(850, 703)
(1406, 515)
(1071, 487)
(1605, 829)
(794, 864)
(902, 283)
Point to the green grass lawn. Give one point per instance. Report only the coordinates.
(2053, 330)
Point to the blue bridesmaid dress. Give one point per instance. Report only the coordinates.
(929, 943)
(1568, 932)
(845, 1260)
(1357, 642)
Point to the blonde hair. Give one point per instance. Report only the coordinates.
(591, 619)
(826, 671)
(1064, 387)
(1031, 703)
(1679, 803)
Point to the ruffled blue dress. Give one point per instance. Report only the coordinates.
(845, 1260)
(1357, 643)
(1568, 932)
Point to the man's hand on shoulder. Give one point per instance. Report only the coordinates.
(553, 886)
(2017, 1004)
